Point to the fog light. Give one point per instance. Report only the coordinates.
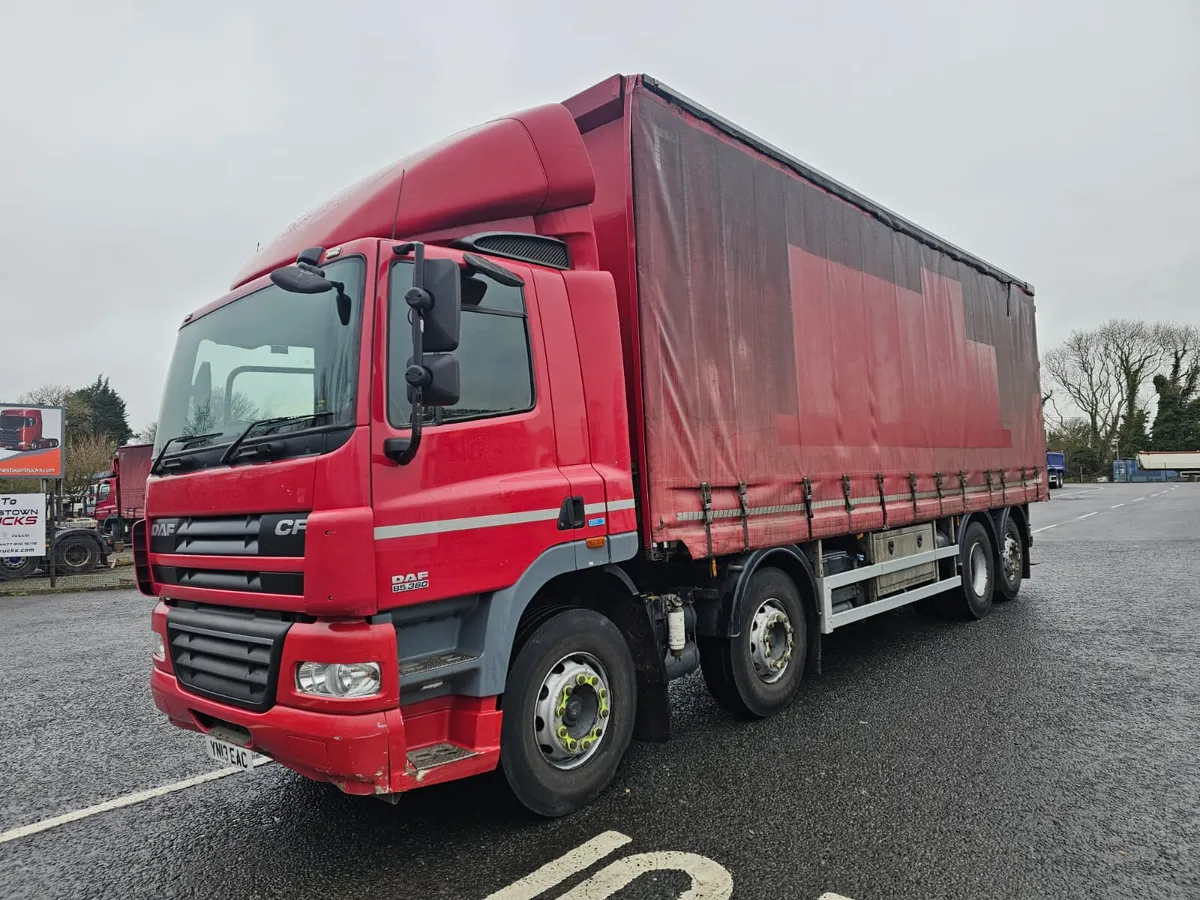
(159, 653)
(338, 679)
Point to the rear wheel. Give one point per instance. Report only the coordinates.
(76, 555)
(977, 564)
(1012, 561)
(569, 711)
(757, 674)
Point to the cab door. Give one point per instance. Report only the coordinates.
(484, 496)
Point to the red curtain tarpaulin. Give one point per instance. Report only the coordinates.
(807, 361)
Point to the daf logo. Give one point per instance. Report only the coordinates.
(162, 529)
(284, 527)
(412, 581)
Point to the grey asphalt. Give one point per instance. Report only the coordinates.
(1051, 750)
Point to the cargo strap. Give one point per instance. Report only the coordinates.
(989, 484)
(808, 509)
(882, 498)
(912, 489)
(846, 494)
(706, 502)
(941, 495)
(745, 514)
(962, 486)
(1003, 487)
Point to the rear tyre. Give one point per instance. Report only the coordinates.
(76, 555)
(977, 564)
(569, 711)
(757, 674)
(1012, 561)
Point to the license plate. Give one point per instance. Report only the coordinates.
(230, 754)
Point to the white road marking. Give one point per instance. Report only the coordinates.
(1138, 499)
(1094, 512)
(829, 895)
(559, 870)
(710, 880)
(119, 802)
(1044, 528)
(1118, 506)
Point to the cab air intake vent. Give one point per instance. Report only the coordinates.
(530, 248)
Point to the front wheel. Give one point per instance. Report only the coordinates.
(14, 567)
(757, 674)
(569, 710)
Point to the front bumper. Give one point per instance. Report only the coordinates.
(355, 752)
(361, 745)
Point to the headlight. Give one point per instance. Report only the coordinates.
(338, 679)
(159, 652)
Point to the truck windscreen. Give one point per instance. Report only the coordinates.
(265, 355)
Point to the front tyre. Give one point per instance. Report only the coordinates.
(569, 710)
(14, 567)
(1012, 561)
(757, 674)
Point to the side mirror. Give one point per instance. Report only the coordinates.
(438, 379)
(295, 280)
(438, 298)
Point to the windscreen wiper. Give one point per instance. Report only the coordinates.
(181, 437)
(268, 425)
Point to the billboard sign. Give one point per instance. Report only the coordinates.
(31, 441)
(22, 525)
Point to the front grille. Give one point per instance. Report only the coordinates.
(273, 534)
(227, 655)
(290, 583)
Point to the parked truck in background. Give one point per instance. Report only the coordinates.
(1056, 468)
(1185, 464)
(471, 461)
(117, 498)
(21, 429)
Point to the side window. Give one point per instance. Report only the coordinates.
(105, 489)
(493, 351)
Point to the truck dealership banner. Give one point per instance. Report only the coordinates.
(22, 524)
(31, 441)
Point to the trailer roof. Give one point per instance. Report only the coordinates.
(833, 186)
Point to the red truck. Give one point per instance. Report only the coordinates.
(21, 429)
(118, 498)
(474, 459)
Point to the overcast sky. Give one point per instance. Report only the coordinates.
(145, 148)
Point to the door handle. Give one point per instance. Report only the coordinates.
(571, 514)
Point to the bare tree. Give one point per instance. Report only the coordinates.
(1088, 372)
(1181, 346)
(1137, 355)
(148, 433)
(86, 457)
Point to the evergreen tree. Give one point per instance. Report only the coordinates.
(108, 410)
